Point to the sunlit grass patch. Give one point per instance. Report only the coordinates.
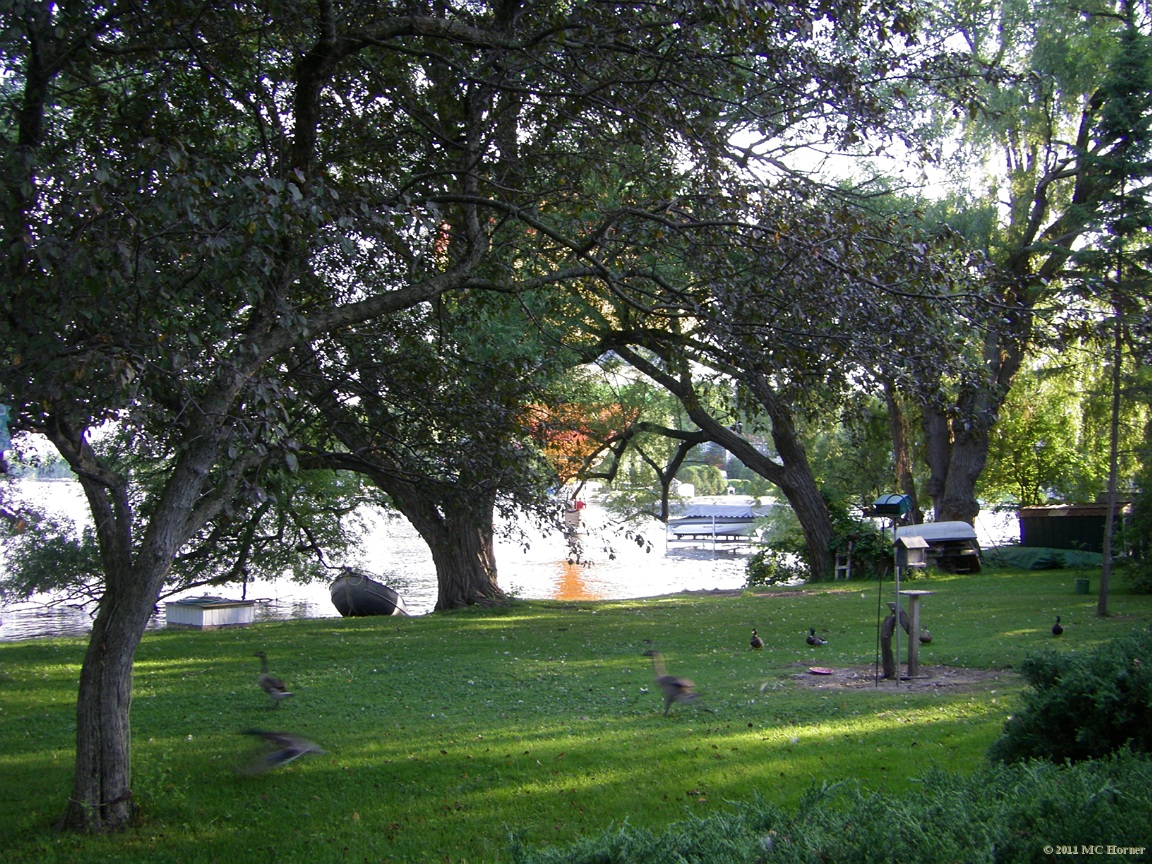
(445, 732)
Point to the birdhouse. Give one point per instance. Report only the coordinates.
(892, 505)
(911, 551)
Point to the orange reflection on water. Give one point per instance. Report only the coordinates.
(572, 586)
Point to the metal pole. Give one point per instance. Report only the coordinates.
(896, 571)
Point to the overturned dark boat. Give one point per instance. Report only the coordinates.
(354, 594)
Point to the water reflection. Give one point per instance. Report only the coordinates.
(573, 583)
(616, 579)
(616, 570)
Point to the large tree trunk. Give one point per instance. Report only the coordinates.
(902, 451)
(465, 560)
(792, 475)
(957, 441)
(101, 797)
(969, 452)
(459, 534)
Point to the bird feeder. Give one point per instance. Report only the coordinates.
(911, 552)
(892, 505)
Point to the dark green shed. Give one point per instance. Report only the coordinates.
(1068, 526)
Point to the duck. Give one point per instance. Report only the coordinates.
(813, 639)
(675, 688)
(757, 643)
(1057, 628)
(925, 636)
(285, 747)
(274, 687)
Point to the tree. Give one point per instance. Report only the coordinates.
(191, 196)
(1032, 98)
(802, 305)
(156, 267)
(430, 409)
(1037, 443)
(1115, 270)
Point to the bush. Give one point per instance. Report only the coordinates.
(871, 549)
(707, 479)
(1007, 814)
(774, 567)
(1083, 704)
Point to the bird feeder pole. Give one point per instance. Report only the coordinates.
(896, 506)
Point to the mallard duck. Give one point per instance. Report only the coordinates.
(274, 687)
(757, 643)
(925, 636)
(813, 639)
(1057, 629)
(285, 747)
(676, 689)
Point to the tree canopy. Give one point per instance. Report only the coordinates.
(262, 239)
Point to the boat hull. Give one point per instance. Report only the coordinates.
(355, 595)
(705, 527)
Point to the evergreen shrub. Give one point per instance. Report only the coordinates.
(1083, 704)
(1001, 814)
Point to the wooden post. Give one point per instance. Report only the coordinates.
(914, 630)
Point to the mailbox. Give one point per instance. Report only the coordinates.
(911, 551)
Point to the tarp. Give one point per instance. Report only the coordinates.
(1038, 558)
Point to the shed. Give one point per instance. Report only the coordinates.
(208, 613)
(1068, 526)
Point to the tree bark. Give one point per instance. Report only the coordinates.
(101, 798)
(459, 534)
(898, 426)
(1113, 465)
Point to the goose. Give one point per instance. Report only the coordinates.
(813, 639)
(676, 689)
(285, 747)
(274, 687)
(757, 643)
(1057, 629)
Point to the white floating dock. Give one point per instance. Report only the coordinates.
(208, 613)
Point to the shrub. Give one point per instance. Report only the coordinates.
(871, 549)
(774, 567)
(1007, 814)
(1083, 704)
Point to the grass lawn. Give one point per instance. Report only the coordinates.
(446, 732)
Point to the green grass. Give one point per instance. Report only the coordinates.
(446, 732)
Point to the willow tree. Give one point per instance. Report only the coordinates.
(798, 314)
(432, 410)
(1028, 190)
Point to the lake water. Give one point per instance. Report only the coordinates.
(395, 552)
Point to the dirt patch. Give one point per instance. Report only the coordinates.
(930, 678)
